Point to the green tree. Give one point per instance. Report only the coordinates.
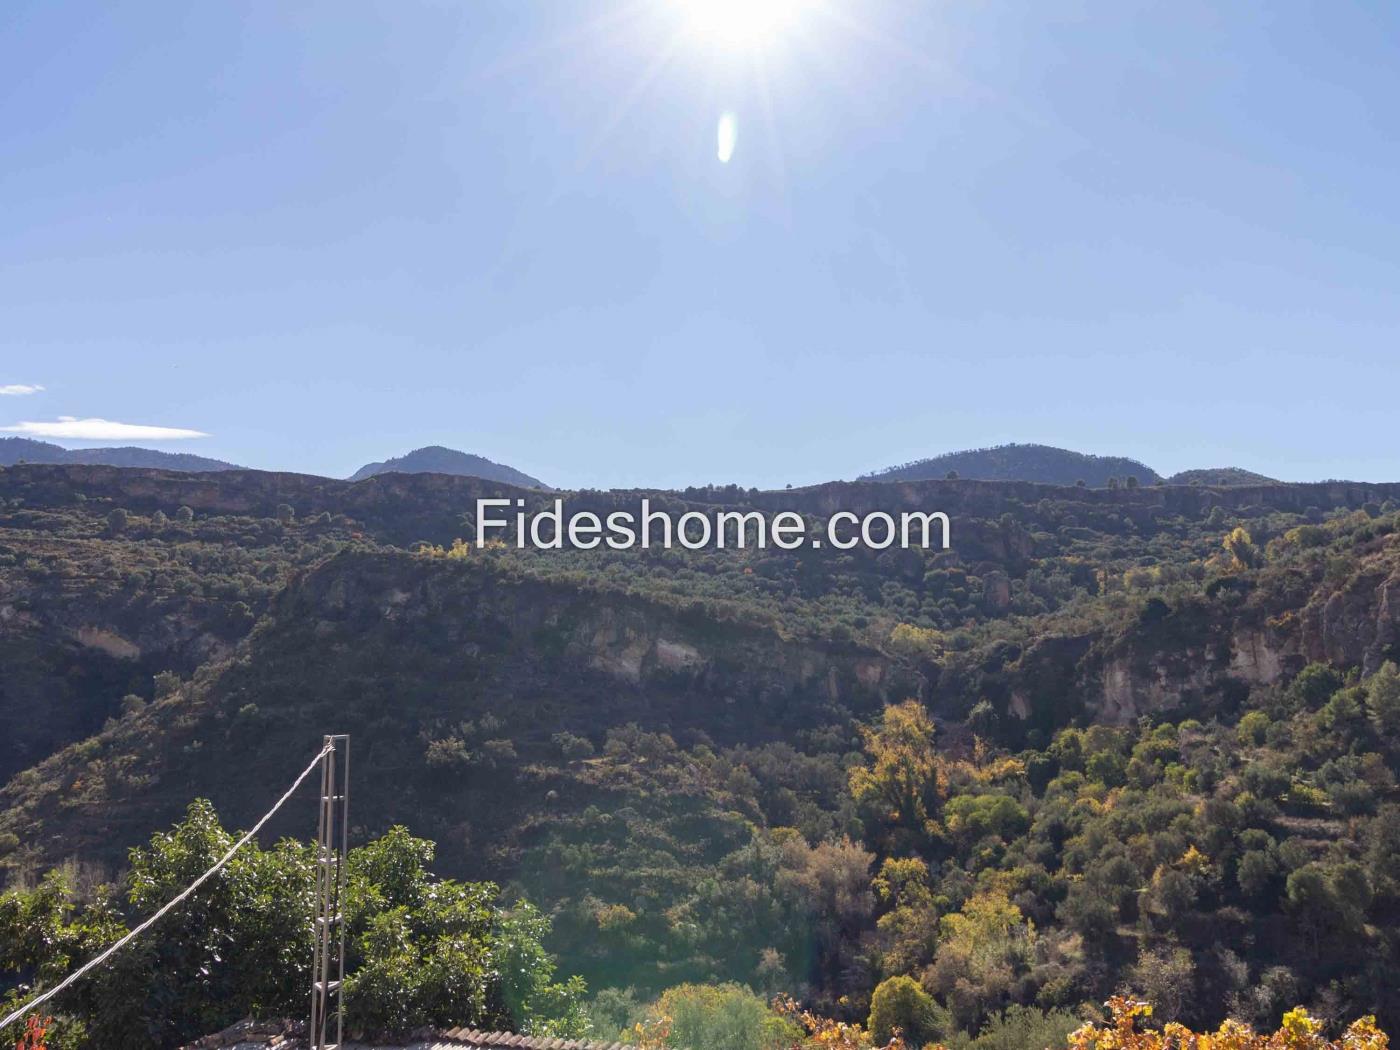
(909, 928)
(1252, 727)
(986, 949)
(900, 1006)
(166, 683)
(1256, 871)
(1107, 767)
(972, 817)
(43, 938)
(1329, 902)
(1383, 700)
(1314, 686)
(1240, 546)
(722, 1017)
(1025, 1028)
(422, 950)
(902, 782)
(1165, 977)
(434, 951)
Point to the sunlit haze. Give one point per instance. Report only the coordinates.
(662, 242)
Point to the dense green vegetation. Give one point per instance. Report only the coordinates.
(1043, 463)
(419, 949)
(1220, 476)
(438, 460)
(1136, 740)
(26, 450)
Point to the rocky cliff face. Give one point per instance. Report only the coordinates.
(75, 638)
(465, 657)
(400, 651)
(1358, 622)
(1203, 655)
(638, 643)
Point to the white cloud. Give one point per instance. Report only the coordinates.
(19, 389)
(101, 430)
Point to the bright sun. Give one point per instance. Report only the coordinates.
(735, 24)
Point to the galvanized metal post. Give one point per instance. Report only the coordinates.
(328, 954)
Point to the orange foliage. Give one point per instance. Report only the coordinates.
(1299, 1031)
(826, 1034)
(34, 1031)
(653, 1034)
(1126, 1029)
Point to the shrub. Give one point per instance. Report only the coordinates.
(721, 1017)
(420, 950)
(1299, 1031)
(1252, 728)
(900, 1006)
(573, 746)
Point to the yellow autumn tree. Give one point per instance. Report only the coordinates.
(902, 783)
(1240, 546)
(984, 949)
(822, 1033)
(1127, 1030)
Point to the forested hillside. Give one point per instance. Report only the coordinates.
(1136, 740)
(1040, 463)
(438, 460)
(26, 450)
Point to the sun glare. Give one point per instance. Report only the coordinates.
(736, 24)
(728, 136)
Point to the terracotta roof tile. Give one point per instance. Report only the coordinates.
(289, 1035)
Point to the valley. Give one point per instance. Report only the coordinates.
(1138, 721)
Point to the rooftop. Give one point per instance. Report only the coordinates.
(291, 1035)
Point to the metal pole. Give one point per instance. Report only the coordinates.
(342, 866)
(316, 1033)
(332, 847)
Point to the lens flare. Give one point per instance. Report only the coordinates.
(728, 136)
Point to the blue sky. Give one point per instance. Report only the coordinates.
(325, 233)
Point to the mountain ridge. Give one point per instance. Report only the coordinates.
(438, 459)
(1051, 465)
(1220, 476)
(1021, 462)
(14, 450)
(1014, 462)
(1111, 675)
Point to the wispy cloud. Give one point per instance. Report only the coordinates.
(101, 430)
(19, 389)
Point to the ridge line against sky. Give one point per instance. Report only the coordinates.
(868, 474)
(322, 237)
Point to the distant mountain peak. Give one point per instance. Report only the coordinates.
(436, 459)
(1220, 476)
(26, 450)
(1016, 462)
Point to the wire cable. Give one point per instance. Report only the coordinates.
(92, 964)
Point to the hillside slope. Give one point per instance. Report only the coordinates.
(435, 459)
(1144, 722)
(26, 450)
(1039, 463)
(1220, 476)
